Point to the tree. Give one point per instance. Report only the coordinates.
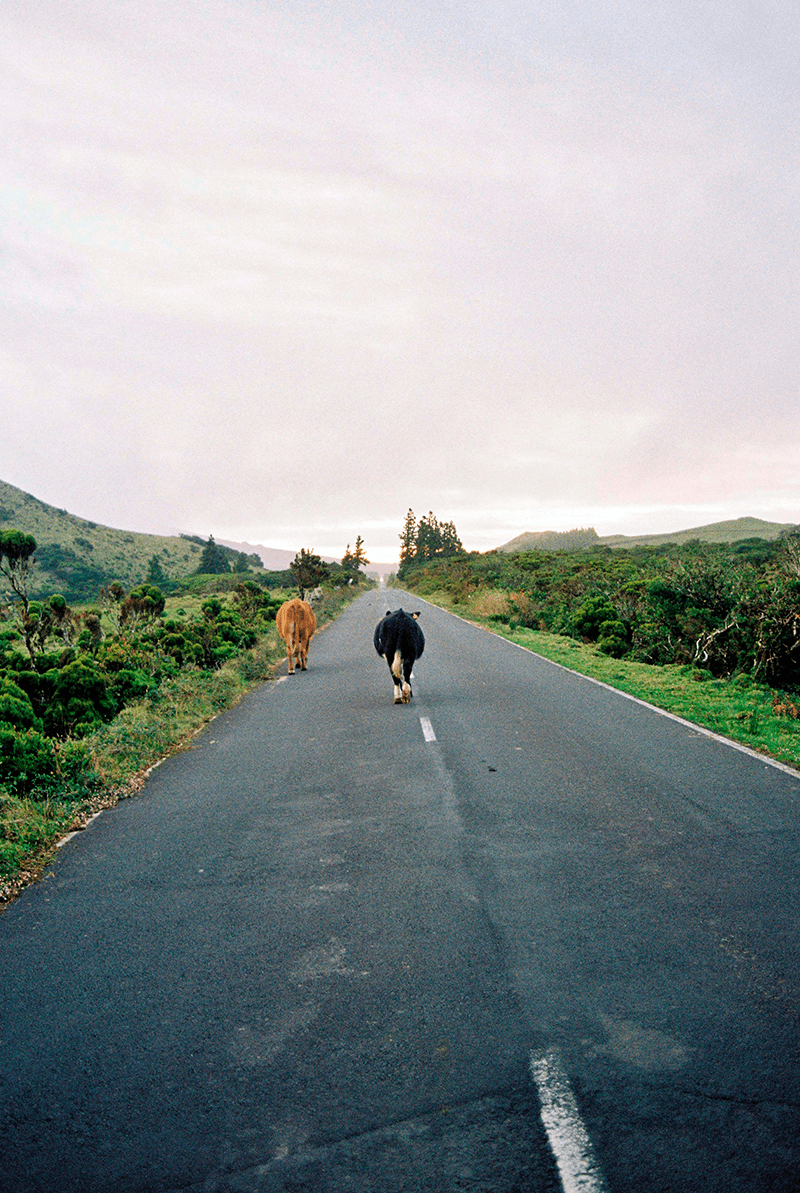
(450, 542)
(64, 624)
(308, 571)
(427, 539)
(348, 566)
(352, 561)
(156, 574)
(141, 606)
(408, 542)
(213, 561)
(17, 557)
(251, 600)
(360, 554)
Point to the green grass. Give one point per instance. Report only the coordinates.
(746, 712)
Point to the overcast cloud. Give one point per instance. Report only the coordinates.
(278, 272)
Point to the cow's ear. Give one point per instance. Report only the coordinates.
(415, 615)
(388, 613)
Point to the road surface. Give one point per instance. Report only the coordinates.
(522, 934)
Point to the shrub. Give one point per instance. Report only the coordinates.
(613, 638)
(127, 685)
(81, 700)
(26, 757)
(589, 616)
(16, 707)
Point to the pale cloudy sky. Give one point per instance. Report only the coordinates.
(278, 271)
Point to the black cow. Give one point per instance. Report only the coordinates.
(401, 642)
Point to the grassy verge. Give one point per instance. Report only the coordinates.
(746, 712)
(124, 751)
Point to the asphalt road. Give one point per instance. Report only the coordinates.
(521, 934)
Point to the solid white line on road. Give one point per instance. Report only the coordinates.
(566, 1133)
(427, 729)
(701, 729)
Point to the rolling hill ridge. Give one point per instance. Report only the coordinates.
(77, 557)
(732, 531)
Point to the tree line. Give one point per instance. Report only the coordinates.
(425, 540)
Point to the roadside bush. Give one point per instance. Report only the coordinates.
(25, 758)
(81, 700)
(16, 708)
(591, 615)
(613, 638)
(127, 685)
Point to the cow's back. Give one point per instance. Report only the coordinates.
(401, 630)
(298, 612)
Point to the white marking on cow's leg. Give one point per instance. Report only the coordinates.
(566, 1133)
(406, 692)
(427, 729)
(398, 694)
(397, 666)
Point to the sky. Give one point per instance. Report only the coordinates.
(278, 272)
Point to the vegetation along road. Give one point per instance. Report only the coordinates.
(524, 933)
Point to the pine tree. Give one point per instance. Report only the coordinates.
(213, 561)
(408, 542)
(360, 555)
(156, 574)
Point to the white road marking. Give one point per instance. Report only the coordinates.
(701, 729)
(427, 729)
(77, 832)
(566, 1133)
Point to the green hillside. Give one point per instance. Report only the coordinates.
(733, 531)
(552, 540)
(77, 558)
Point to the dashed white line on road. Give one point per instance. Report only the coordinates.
(572, 1148)
(427, 729)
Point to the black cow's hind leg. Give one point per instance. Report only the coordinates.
(397, 675)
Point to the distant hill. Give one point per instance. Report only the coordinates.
(77, 557)
(552, 540)
(716, 532)
(733, 531)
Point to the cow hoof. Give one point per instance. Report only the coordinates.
(398, 699)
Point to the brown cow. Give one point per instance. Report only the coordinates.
(296, 624)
